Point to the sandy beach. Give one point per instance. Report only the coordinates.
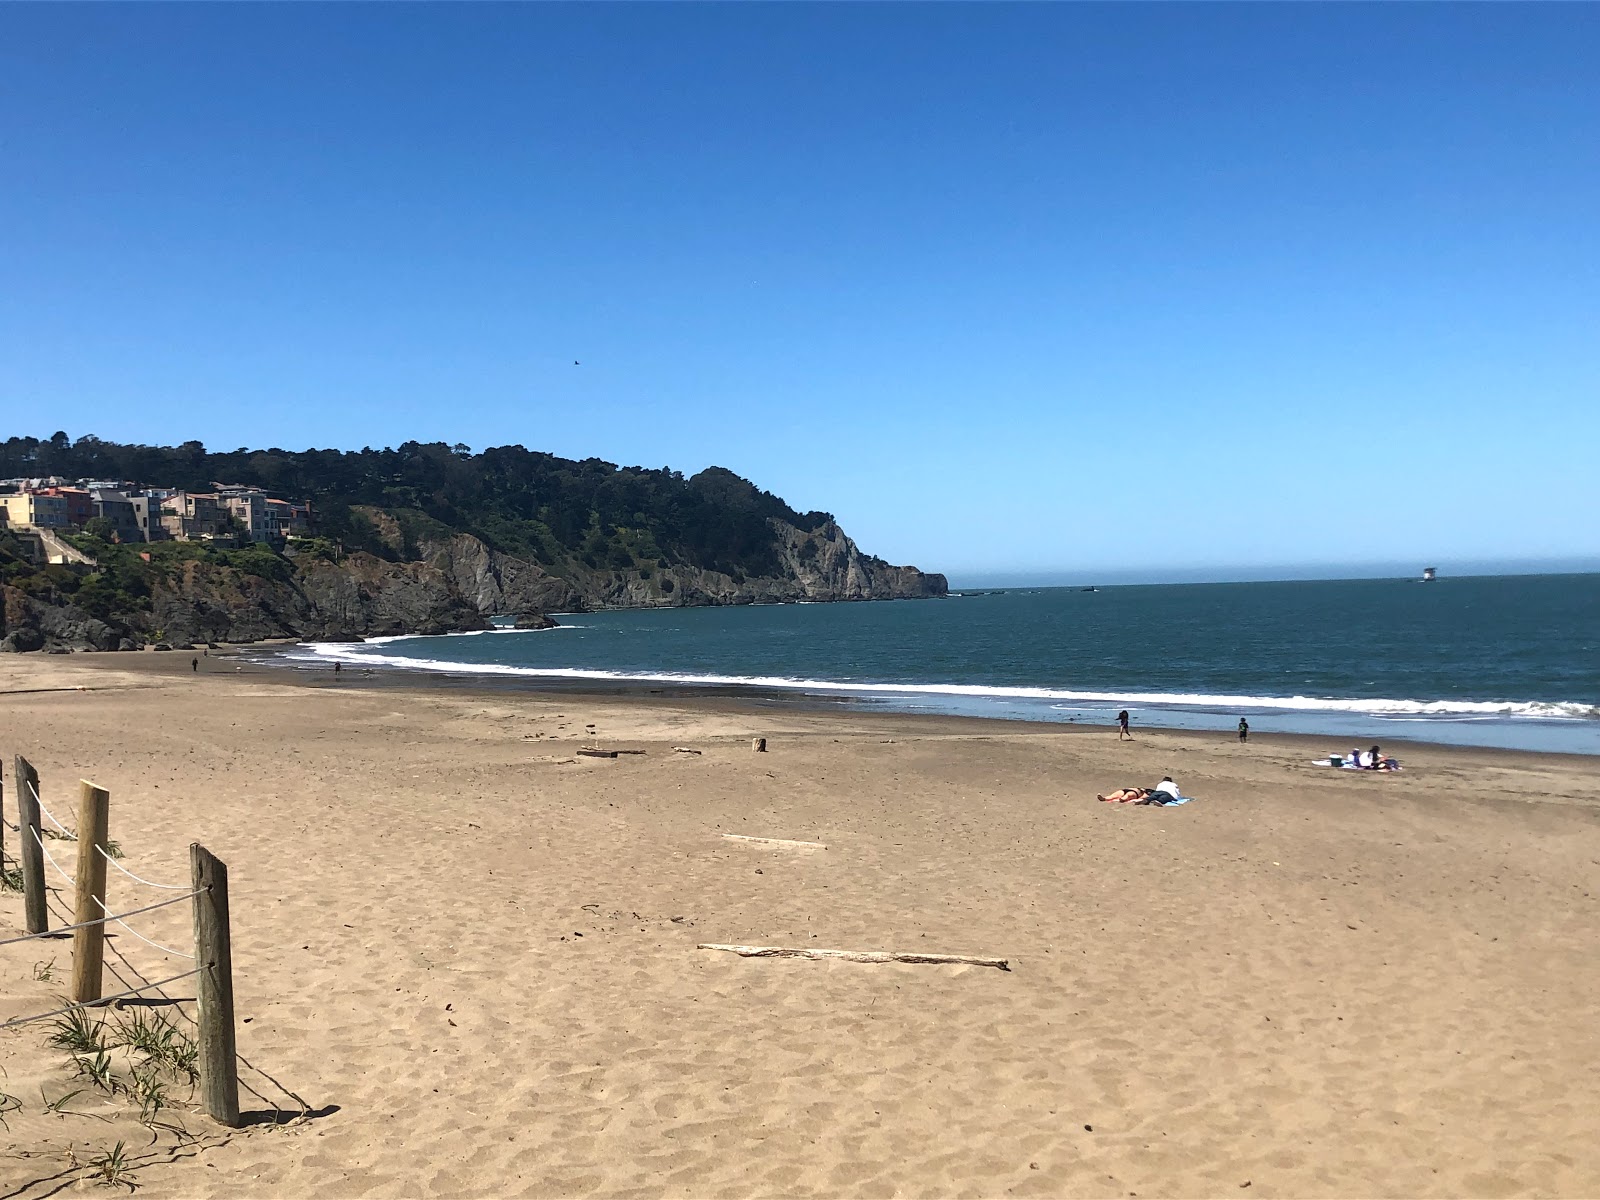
(473, 954)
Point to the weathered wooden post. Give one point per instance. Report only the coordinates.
(89, 887)
(759, 745)
(30, 851)
(213, 952)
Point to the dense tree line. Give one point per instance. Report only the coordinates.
(521, 501)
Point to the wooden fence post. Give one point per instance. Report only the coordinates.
(213, 952)
(29, 850)
(89, 886)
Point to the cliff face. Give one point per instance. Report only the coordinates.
(498, 584)
(27, 623)
(361, 596)
(820, 565)
(456, 584)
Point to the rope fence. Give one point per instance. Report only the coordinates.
(66, 833)
(104, 999)
(51, 859)
(206, 894)
(133, 912)
(166, 887)
(140, 936)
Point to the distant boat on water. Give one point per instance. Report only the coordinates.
(1428, 574)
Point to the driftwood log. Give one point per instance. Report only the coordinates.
(598, 753)
(861, 956)
(741, 837)
(684, 750)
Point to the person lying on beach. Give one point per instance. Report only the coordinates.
(1133, 795)
(1163, 793)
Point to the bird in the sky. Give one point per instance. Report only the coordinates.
(575, 362)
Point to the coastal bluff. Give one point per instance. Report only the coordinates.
(453, 584)
(419, 539)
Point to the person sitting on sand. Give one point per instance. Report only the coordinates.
(1165, 788)
(1375, 760)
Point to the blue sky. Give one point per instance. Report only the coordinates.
(1035, 288)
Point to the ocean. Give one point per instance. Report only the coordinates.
(1507, 661)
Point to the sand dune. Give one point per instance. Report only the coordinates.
(473, 954)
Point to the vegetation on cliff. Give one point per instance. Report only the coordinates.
(425, 538)
(550, 510)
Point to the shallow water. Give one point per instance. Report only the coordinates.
(1510, 661)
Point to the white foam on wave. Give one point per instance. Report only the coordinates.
(322, 648)
(346, 652)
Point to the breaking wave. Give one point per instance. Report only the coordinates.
(1399, 709)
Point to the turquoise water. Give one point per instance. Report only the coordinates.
(1505, 661)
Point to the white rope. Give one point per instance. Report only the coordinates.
(51, 857)
(137, 934)
(132, 912)
(102, 1000)
(47, 812)
(166, 887)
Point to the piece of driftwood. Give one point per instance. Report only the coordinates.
(741, 837)
(861, 956)
(598, 753)
(759, 745)
(684, 750)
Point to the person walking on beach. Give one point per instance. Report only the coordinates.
(1244, 730)
(337, 667)
(194, 665)
(1122, 726)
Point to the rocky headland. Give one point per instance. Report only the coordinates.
(455, 583)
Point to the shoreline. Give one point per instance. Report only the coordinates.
(1553, 735)
(245, 661)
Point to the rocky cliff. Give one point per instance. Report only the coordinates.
(361, 596)
(822, 564)
(456, 583)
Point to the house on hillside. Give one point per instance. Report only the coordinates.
(147, 512)
(286, 519)
(195, 516)
(248, 507)
(35, 510)
(117, 507)
(79, 503)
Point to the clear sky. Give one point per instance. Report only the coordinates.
(1008, 288)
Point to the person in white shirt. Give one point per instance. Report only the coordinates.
(1166, 785)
